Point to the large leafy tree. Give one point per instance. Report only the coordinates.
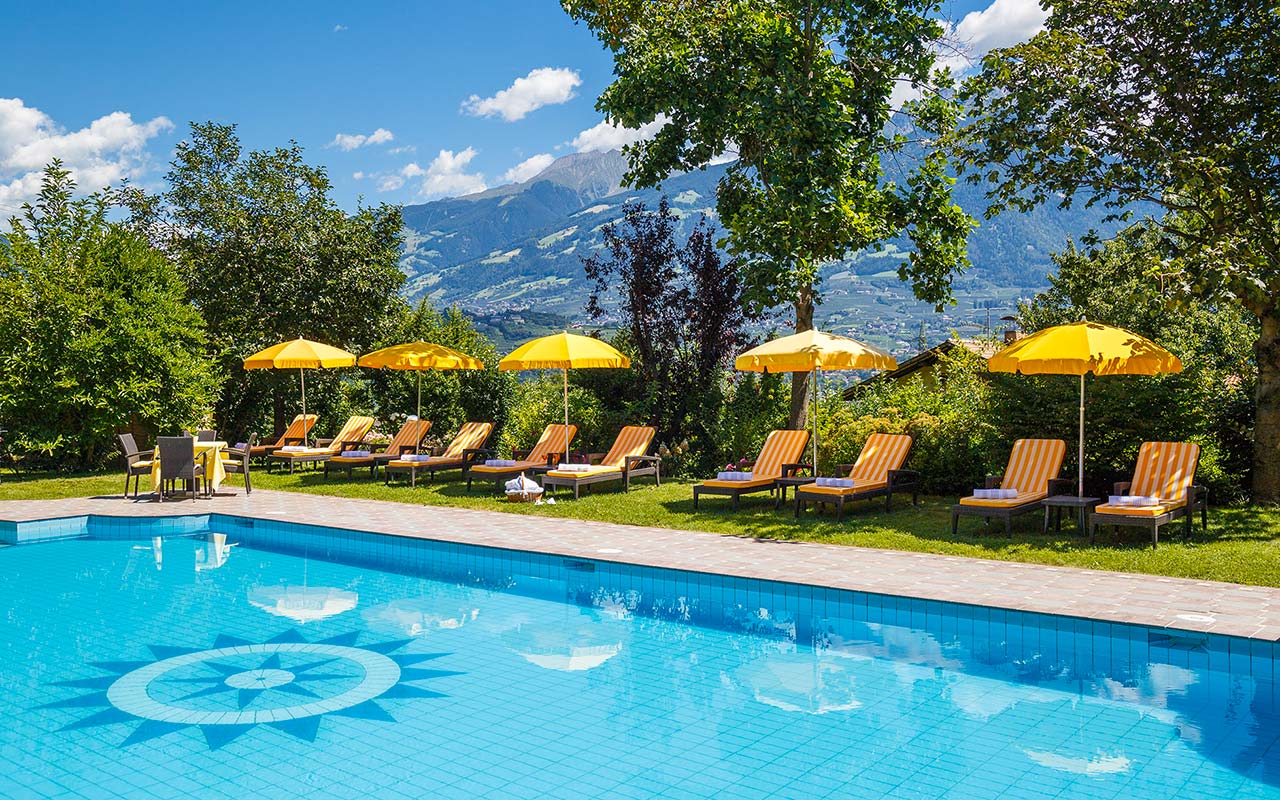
(1172, 104)
(803, 91)
(96, 335)
(267, 255)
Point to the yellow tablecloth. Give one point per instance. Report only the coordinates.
(216, 473)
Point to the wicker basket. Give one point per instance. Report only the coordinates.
(524, 497)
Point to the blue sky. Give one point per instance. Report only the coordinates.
(403, 102)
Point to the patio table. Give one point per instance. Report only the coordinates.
(216, 472)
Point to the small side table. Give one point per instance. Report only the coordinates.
(1058, 502)
(791, 480)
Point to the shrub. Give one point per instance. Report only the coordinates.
(96, 336)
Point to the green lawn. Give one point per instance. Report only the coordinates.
(1243, 544)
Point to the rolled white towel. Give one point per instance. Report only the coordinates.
(415, 457)
(523, 484)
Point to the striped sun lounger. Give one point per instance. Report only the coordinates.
(1165, 473)
(1032, 473)
(878, 471)
(551, 449)
(627, 459)
(466, 446)
(295, 434)
(778, 458)
(350, 437)
(406, 440)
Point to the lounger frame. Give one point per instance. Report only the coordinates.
(629, 471)
(1197, 500)
(1007, 513)
(899, 480)
(735, 492)
(500, 478)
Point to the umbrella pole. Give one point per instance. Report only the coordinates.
(566, 413)
(1080, 455)
(302, 379)
(417, 442)
(816, 377)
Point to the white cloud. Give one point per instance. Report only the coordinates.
(404, 148)
(357, 175)
(528, 168)
(350, 141)
(446, 175)
(545, 86)
(339, 28)
(109, 149)
(1003, 23)
(389, 183)
(607, 136)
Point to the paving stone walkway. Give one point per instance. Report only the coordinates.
(1209, 606)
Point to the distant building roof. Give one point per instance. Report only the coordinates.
(927, 358)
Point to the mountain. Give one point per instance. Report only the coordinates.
(517, 249)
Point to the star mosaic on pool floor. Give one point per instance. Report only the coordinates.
(286, 682)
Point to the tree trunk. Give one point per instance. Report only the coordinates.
(1266, 432)
(799, 416)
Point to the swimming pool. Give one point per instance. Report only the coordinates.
(213, 656)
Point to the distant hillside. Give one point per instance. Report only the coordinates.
(519, 248)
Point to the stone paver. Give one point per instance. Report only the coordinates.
(1208, 606)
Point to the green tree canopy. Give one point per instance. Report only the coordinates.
(1210, 401)
(449, 398)
(1174, 104)
(803, 92)
(96, 335)
(267, 256)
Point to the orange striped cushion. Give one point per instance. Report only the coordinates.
(782, 447)
(751, 484)
(1165, 470)
(1139, 511)
(469, 437)
(1032, 463)
(297, 429)
(516, 467)
(1009, 502)
(632, 440)
(881, 453)
(410, 434)
(856, 488)
(553, 440)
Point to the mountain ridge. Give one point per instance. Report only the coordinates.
(519, 247)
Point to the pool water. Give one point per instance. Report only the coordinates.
(239, 662)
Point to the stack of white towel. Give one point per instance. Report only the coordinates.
(356, 453)
(499, 462)
(835, 483)
(995, 494)
(415, 457)
(573, 467)
(733, 476)
(1133, 500)
(294, 448)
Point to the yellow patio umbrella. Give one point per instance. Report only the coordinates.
(813, 351)
(1079, 348)
(564, 351)
(300, 354)
(419, 356)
